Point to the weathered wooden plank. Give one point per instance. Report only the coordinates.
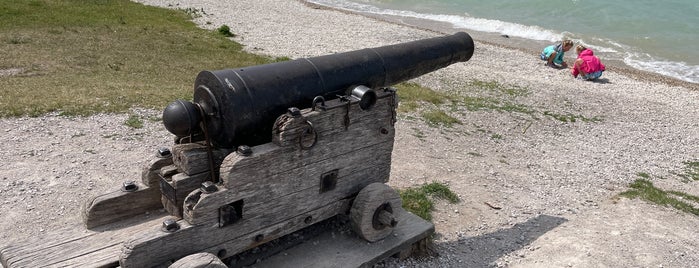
(335, 117)
(117, 205)
(280, 182)
(338, 249)
(287, 158)
(193, 158)
(147, 249)
(151, 172)
(177, 189)
(272, 207)
(76, 247)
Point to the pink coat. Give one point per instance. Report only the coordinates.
(590, 64)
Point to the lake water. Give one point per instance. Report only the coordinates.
(654, 36)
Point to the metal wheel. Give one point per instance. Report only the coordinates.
(373, 211)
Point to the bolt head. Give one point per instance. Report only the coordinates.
(208, 187)
(129, 186)
(244, 150)
(170, 225)
(295, 112)
(164, 152)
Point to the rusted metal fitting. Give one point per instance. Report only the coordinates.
(164, 153)
(170, 226)
(244, 150)
(129, 186)
(208, 187)
(295, 112)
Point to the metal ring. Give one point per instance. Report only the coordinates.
(306, 131)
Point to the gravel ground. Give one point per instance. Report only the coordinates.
(535, 191)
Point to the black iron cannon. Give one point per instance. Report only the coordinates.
(238, 106)
(307, 162)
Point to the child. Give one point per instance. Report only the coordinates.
(587, 65)
(553, 54)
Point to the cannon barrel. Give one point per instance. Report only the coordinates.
(239, 106)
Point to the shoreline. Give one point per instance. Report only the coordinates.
(527, 46)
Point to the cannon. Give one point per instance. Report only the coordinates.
(259, 153)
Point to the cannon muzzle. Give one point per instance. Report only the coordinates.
(239, 106)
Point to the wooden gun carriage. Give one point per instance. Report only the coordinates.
(227, 185)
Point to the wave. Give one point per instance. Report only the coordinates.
(461, 22)
(610, 48)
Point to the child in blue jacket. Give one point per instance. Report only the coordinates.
(553, 54)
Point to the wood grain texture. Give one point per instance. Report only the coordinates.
(151, 172)
(118, 205)
(193, 158)
(74, 246)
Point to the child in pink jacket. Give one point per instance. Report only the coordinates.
(587, 65)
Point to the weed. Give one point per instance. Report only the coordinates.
(436, 117)
(571, 118)
(419, 200)
(644, 189)
(225, 31)
(134, 121)
(691, 171)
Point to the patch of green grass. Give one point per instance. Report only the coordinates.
(85, 57)
(691, 171)
(134, 121)
(644, 189)
(419, 200)
(412, 94)
(437, 117)
(225, 31)
(571, 118)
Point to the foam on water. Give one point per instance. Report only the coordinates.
(609, 49)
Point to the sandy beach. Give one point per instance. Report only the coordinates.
(535, 191)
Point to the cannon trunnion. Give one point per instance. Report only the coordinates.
(260, 153)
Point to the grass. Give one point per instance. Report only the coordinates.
(644, 189)
(691, 171)
(134, 121)
(438, 117)
(85, 57)
(419, 200)
(570, 118)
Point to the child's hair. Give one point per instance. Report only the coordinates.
(579, 49)
(568, 43)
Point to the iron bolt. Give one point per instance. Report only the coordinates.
(208, 187)
(295, 112)
(244, 150)
(129, 186)
(170, 225)
(164, 152)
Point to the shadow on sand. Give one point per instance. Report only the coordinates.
(601, 81)
(482, 251)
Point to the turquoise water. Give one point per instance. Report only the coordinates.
(655, 36)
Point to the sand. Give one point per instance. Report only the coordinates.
(535, 191)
